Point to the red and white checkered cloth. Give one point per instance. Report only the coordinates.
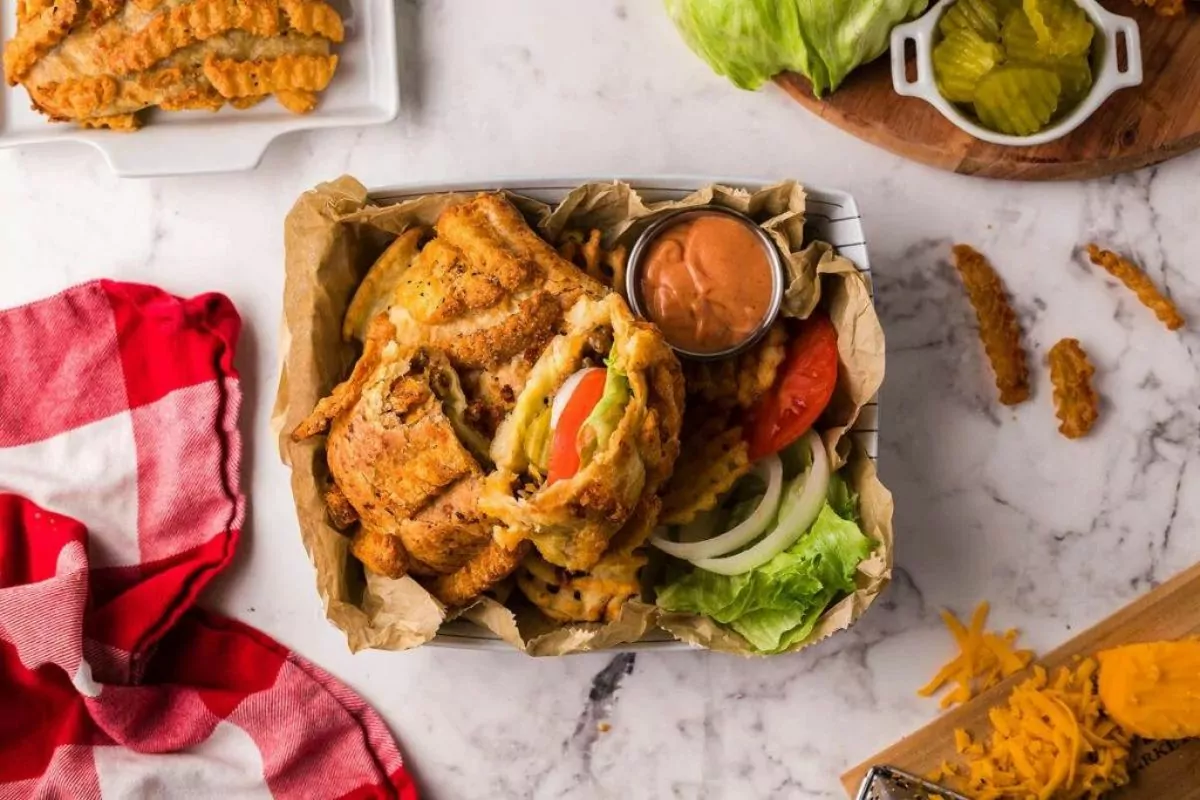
(119, 501)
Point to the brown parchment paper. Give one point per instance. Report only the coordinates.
(332, 236)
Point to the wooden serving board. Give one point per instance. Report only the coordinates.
(1161, 770)
(1136, 127)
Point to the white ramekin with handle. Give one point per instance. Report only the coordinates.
(1107, 77)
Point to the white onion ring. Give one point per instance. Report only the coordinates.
(770, 469)
(795, 520)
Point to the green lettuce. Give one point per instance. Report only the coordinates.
(751, 41)
(778, 604)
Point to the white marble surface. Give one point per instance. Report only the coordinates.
(991, 503)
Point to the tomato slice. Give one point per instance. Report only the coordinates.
(564, 445)
(802, 389)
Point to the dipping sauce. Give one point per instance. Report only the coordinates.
(707, 283)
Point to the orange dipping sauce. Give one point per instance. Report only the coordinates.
(707, 283)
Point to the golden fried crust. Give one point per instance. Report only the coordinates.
(740, 381)
(1137, 282)
(395, 450)
(998, 327)
(444, 284)
(298, 102)
(265, 76)
(449, 531)
(494, 391)
(341, 514)
(346, 393)
(571, 522)
(379, 285)
(314, 19)
(185, 25)
(713, 457)
(199, 98)
(379, 552)
(124, 123)
(37, 37)
(488, 567)
(1076, 403)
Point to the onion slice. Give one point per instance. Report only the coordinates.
(799, 510)
(770, 469)
(564, 393)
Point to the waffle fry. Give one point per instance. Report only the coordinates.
(1137, 282)
(286, 73)
(998, 327)
(586, 252)
(1076, 403)
(739, 381)
(710, 462)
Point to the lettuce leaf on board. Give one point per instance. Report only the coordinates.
(751, 41)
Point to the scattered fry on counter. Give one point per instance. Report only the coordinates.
(998, 327)
(1139, 283)
(1153, 689)
(1050, 740)
(983, 660)
(1076, 402)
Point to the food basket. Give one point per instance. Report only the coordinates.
(831, 216)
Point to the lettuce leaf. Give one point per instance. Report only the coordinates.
(779, 603)
(750, 41)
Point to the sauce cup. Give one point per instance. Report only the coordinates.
(637, 265)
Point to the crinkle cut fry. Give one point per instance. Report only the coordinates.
(125, 123)
(314, 18)
(185, 25)
(1076, 402)
(1139, 283)
(998, 327)
(297, 102)
(104, 96)
(286, 73)
(1164, 8)
(37, 37)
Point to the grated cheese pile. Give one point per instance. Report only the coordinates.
(984, 659)
(1051, 740)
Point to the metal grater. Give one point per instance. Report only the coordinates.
(889, 783)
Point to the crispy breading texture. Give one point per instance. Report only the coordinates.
(201, 97)
(341, 514)
(37, 37)
(314, 18)
(375, 292)
(712, 459)
(123, 123)
(103, 95)
(298, 102)
(1076, 403)
(1139, 283)
(740, 381)
(489, 566)
(185, 25)
(998, 326)
(265, 76)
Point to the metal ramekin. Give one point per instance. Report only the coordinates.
(633, 274)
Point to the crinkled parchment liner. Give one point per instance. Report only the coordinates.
(333, 234)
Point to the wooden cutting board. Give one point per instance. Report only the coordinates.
(1136, 127)
(1161, 771)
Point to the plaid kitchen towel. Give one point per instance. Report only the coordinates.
(119, 502)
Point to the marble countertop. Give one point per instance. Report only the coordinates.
(991, 503)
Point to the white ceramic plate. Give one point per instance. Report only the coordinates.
(832, 216)
(364, 91)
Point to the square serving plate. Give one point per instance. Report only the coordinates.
(364, 91)
(831, 216)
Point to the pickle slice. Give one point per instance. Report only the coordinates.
(960, 60)
(981, 16)
(1075, 72)
(1063, 28)
(1018, 100)
(1020, 39)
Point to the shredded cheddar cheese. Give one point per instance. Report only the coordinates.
(1050, 742)
(984, 659)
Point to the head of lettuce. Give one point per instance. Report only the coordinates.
(751, 41)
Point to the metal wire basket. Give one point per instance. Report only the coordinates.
(889, 783)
